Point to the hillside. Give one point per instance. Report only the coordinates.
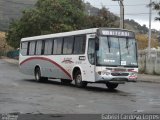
(128, 24)
(10, 10)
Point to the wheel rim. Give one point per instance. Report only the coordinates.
(37, 75)
(79, 79)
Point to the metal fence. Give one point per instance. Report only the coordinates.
(11, 54)
(3, 53)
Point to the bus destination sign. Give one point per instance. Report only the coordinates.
(121, 33)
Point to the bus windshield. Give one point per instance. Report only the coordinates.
(117, 51)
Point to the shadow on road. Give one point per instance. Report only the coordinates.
(88, 88)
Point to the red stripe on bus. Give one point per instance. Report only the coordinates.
(46, 59)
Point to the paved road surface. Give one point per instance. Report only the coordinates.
(20, 93)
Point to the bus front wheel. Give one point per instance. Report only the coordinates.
(78, 80)
(112, 86)
(38, 76)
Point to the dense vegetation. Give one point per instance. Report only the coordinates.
(51, 16)
(3, 44)
(142, 40)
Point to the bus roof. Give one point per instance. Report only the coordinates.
(63, 34)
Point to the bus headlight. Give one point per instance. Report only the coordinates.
(103, 73)
(99, 72)
(133, 74)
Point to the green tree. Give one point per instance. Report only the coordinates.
(156, 6)
(53, 16)
(104, 18)
(48, 16)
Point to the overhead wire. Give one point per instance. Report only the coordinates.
(124, 5)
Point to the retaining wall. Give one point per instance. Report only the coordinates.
(149, 65)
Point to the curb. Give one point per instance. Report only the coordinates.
(12, 61)
(147, 81)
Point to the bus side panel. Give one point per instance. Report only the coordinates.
(49, 67)
(25, 68)
(88, 71)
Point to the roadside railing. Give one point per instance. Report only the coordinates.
(11, 54)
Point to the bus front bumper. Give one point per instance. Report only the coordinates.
(115, 79)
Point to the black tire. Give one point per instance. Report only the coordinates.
(38, 76)
(112, 86)
(78, 80)
(66, 81)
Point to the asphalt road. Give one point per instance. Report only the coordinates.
(20, 93)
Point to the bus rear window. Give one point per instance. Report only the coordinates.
(24, 46)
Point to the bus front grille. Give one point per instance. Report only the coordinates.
(119, 74)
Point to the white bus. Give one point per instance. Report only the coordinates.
(97, 55)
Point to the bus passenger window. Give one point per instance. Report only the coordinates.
(38, 47)
(48, 47)
(57, 49)
(32, 48)
(79, 45)
(91, 50)
(68, 45)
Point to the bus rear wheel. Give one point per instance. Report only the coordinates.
(38, 76)
(78, 80)
(112, 86)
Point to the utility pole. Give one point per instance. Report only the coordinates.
(150, 34)
(121, 13)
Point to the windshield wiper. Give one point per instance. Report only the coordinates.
(109, 46)
(127, 45)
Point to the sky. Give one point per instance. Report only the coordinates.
(133, 9)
